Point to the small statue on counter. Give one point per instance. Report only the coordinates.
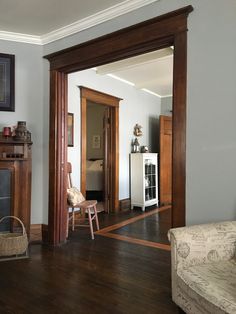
(21, 133)
(136, 146)
(144, 149)
(137, 130)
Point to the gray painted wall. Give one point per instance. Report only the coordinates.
(31, 107)
(166, 106)
(211, 99)
(211, 104)
(136, 106)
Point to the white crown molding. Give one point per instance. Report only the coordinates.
(78, 26)
(22, 38)
(95, 19)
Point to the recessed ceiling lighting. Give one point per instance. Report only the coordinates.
(150, 92)
(121, 79)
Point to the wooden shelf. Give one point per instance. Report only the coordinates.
(14, 142)
(13, 159)
(11, 140)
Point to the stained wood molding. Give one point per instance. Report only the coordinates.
(36, 233)
(45, 234)
(99, 97)
(163, 31)
(141, 38)
(125, 204)
(88, 94)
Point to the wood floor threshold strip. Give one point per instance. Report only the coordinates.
(132, 220)
(155, 245)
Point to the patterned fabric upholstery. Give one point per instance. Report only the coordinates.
(74, 196)
(204, 268)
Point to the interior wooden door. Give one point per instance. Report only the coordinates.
(165, 168)
(107, 159)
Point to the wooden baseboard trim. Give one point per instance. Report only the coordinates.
(45, 233)
(38, 233)
(125, 204)
(35, 233)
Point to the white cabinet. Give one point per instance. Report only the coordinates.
(143, 179)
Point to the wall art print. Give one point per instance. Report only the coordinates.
(7, 82)
(70, 129)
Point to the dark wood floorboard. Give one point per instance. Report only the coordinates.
(85, 276)
(152, 228)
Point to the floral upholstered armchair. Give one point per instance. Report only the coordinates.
(203, 259)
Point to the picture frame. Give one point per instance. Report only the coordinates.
(96, 141)
(7, 82)
(70, 129)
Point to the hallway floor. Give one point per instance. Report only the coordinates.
(106, 275)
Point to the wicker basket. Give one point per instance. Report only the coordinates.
(13, 243)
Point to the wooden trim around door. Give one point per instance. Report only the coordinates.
(160, 32)
(88, 94)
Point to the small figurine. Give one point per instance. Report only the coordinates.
(137, 130)
(136, 146)
(144, 149)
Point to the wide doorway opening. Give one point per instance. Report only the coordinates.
(164, 31)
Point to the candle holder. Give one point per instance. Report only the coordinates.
(6, 132)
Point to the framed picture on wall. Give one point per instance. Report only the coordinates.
(70, 129)
(96, 141)
(7, 82)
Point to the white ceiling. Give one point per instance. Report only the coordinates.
(37, 17)
(43, 21)
(152, 71)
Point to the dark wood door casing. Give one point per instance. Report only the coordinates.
(107, 161)
(88, 94)
(163, 31)
(165, 160)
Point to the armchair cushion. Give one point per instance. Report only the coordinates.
(213, 286)
(203, 264)
(203, 244)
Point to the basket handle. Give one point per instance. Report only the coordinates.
(14, 217)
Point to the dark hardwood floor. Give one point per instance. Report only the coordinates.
(84, 276)
(152, 228)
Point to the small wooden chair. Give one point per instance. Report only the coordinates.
(86, 207)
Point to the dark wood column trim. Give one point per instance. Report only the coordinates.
(115, 158)
(83, 143)
(57, 157)
(179, 130)
(168, 29)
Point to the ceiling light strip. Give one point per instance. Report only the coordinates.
(121, 79)
(150, 92)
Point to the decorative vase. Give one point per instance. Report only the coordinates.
(21, 133)
(6, 131)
